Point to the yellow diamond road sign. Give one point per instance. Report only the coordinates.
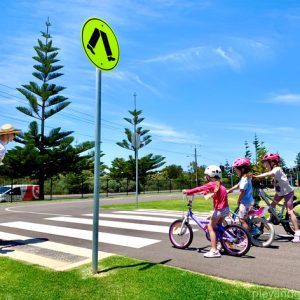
(100, 44)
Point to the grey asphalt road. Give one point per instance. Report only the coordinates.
(277, 266)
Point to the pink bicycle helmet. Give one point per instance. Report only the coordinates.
(272, 156)
(242, 162)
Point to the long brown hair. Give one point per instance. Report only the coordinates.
(217, 187)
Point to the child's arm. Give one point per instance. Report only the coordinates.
(241, 195)
(233, 188)
(204, 189)
(267, 174)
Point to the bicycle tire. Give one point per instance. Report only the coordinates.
(266, 234)
(242, 241)
(288, 226)
(183, 240)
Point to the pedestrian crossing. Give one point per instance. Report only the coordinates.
(133, 229)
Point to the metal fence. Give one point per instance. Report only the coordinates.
(57, 189)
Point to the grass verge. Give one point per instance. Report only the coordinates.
(199, 204)
(124, 278)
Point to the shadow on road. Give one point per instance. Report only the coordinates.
(5, 245)
(283, 238)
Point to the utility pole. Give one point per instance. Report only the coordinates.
(196, 166)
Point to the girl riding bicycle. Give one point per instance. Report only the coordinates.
(282, 188)
(245, 201)
(213, 175)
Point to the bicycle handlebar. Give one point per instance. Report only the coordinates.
(260, 185)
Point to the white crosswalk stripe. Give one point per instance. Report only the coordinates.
(153, 222)
(58, 265)
(132, 217)
(111, 238)
(105, 223)
(159, 213)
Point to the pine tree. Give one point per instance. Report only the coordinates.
(227, 168)
(260, 150)
(248, 153)
(54, 151)
(256, 146)
(145, 139)
(147, 163)
(297, 161)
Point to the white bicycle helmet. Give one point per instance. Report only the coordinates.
(213, 171)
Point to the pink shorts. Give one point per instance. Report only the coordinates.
(288, 199)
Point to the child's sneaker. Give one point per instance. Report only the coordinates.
(296, 237)
(219, 246)
(212, 254)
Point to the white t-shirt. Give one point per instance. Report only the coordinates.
(2, 151)
(282, 185)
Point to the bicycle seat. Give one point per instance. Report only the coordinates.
(257, 213)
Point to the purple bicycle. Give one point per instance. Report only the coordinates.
(234, 239)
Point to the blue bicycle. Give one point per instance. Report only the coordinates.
(234, 239)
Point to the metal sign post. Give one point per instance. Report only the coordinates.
(102, 49)
(97, 173)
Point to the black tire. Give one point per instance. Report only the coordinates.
(180, 240)
(262, 233)
(241, 240)
(288, 226)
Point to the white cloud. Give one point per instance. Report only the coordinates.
(202, 57)
(257, 128)
(233, 59)
(169, 134)
(132, 78)
(286, 99)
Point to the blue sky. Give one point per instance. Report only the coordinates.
(207, 74)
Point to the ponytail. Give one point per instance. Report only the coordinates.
(217, 187)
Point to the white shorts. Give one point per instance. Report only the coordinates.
(244, 210)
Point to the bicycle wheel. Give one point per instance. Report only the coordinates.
(288, 226)
(262, 233)
(235, 240)
(180, 238)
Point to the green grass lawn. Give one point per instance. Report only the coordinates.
(124, 278)
(199, 204)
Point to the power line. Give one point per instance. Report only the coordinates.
(114, 126)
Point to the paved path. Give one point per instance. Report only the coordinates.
(59, 235)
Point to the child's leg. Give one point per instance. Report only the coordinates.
(276, 200)
(244, 224)
(213, 239)
(289, 198)
(243, 215)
